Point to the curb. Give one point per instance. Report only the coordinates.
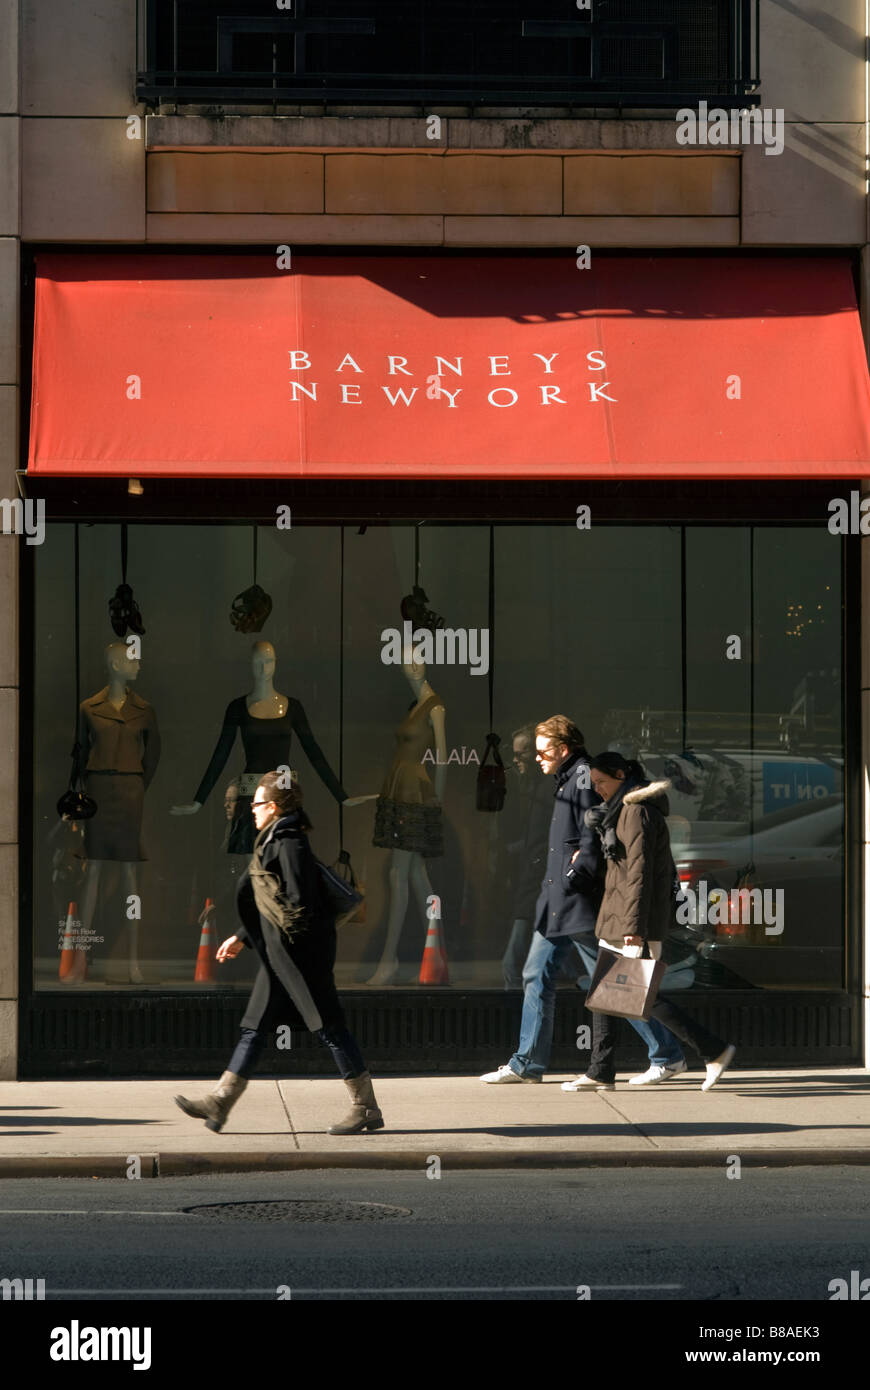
(182, 1164)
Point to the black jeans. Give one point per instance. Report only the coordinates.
(602, 1064)
(340, 1041)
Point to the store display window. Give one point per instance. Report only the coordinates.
(396, 672)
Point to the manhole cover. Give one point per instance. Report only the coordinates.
(298, 1211)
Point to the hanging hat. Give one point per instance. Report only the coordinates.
(124, 612)
(414, 610)
(250, 609)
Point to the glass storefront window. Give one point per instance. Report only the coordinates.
(712, 655)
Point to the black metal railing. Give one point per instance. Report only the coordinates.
(622, 53)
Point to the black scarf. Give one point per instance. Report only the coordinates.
(603, 818)
(272, 895)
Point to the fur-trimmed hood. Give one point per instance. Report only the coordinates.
(656, 792)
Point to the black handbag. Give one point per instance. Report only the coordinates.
(75, 804)
(123, 608)
(253, 605)
(342, 896)
(491, 781)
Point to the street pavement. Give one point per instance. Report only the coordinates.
(763, 1117)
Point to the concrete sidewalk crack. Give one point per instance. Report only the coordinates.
(604, 1096)
(287, 1113)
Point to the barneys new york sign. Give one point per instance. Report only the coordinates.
(352, 379)
(404, 366)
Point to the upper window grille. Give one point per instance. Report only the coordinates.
(623, 53)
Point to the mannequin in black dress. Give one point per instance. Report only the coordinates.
(266, 721)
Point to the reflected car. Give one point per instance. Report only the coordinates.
(798, 851)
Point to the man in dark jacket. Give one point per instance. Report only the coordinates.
(566, 909)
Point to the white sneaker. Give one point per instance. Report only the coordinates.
(716, 1068)
(504, 1076)
(588, 1083)
(657, 1074)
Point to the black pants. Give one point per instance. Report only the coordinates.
(602, 1064)
(340, 1041)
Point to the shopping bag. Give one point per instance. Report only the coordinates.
(626, 986)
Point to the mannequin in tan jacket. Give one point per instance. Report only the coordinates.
(119, 748)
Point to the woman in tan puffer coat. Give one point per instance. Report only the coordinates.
(639, 886)
(638, 904)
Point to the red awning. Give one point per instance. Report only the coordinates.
(412, 366)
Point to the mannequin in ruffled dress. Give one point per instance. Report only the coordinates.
(408, 816)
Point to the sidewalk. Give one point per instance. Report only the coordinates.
(776, 1117)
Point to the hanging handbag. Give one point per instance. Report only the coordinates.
(491, 781)
(625, 986)
(123, 608)
(344, 896)
(253, 605)
(75, 804)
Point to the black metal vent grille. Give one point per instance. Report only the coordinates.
(405, 1033)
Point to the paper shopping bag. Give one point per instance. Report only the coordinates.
(626, 986)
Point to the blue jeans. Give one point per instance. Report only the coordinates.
(541, 970)
(341, 1043)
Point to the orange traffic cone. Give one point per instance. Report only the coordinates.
(204, 973)
(73, 963)
(433, 969)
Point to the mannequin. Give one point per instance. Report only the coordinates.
(406, 811)
(119, 748)
(266, 721)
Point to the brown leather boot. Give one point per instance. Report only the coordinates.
(364, 1112)
(215, 1108)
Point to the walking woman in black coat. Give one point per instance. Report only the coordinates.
(286, 919)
